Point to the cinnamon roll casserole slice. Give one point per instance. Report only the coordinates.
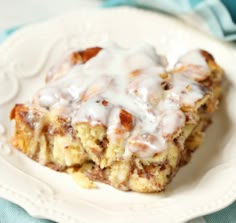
(119, 116)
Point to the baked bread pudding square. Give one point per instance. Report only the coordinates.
(120, 116)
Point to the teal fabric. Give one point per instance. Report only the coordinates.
(231, 6)
(12, 213)
(227, 215)
(5, 33)
(220, 17)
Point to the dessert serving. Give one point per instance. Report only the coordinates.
(119, 116)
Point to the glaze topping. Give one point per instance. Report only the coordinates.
(129, 90)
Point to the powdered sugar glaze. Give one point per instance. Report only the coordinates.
(134, 80)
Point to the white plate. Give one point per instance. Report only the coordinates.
(207, 184)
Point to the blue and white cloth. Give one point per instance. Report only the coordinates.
(214, 16)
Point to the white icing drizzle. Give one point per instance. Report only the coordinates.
(195, 65)
(114, 131)
(93, 111)
(128, 79)
(185, 90)
(194, 57)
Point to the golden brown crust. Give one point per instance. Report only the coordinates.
(76, 57)
(126, 120)
(83, 56)
(139, 176)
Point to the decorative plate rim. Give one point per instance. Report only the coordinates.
(33, 207)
